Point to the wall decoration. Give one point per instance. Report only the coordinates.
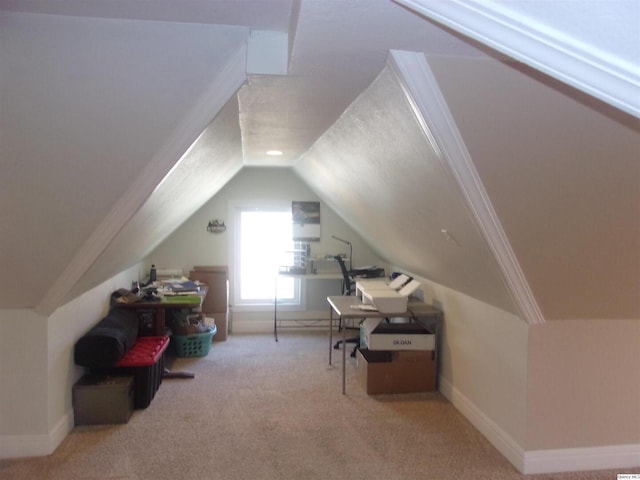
(216, 226)
(306, 221)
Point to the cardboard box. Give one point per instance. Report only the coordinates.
(221, 321)
(396, 371)
(380, 335)
(217, 280)
(103, 399)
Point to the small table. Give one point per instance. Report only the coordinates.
(303, 277)
(159, 309)
(346, 307)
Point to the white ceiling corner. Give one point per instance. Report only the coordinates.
(267, 53)
(612, 76)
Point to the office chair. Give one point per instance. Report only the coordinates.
(348, 287)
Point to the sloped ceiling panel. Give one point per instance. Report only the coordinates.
(562, 171)
(208, 165)
(87, 103)
(377, 168)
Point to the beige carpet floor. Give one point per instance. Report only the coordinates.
(258, 409)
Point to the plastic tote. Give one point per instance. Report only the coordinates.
(194, 345)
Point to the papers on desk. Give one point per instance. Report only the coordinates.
(182, 291)
(179, 287)
(363, 306)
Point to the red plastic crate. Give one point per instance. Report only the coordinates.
(146, 361)
(145, 352)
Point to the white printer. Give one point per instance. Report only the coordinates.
(381, 283)
(385, 298)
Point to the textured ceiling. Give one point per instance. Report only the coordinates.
(376, 166)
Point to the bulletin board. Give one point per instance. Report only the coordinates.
(306, 221)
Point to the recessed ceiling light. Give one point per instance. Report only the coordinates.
(274, 153)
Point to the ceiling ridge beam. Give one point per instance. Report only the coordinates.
(159, 167)
(433, 115)
(606, 77)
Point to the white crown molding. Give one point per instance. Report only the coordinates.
(572, 62)
(189, 129)
(435, 119)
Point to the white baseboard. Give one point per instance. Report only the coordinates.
(496, 436)
(37, 445)
(580, 459)
(542, 461)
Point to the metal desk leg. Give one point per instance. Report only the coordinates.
(275, 312)
(344, 356)
(330, 332)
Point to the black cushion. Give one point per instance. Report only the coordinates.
(109, 340)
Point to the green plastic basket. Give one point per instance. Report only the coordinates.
(194, 345)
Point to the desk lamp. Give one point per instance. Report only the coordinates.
(350, 250)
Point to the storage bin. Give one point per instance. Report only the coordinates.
(103, 399)
(196, 345)
(145, 361)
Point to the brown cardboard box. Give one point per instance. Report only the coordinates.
(217, 280)
(401, 371)
(221, 321)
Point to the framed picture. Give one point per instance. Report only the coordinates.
(306, 221)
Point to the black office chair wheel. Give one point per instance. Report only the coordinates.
(337, 345)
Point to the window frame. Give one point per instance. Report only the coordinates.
(293, 304)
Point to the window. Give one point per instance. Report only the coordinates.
(263, 244)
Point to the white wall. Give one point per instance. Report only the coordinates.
(483, 366)
(551, 397)
(23, 373)
(584, 387)
(37, 371)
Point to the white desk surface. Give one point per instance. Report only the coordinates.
(342, 306)
(312, 276)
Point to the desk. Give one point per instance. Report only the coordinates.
(302, 277)
(341, 306)
(159, 309)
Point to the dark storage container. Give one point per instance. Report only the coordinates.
(145, 361)
(103, 399)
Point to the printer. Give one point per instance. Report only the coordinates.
(387, 299)
(381, 283)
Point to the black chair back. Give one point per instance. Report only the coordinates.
(347, 282)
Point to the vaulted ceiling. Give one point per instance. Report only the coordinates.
(520, 186)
